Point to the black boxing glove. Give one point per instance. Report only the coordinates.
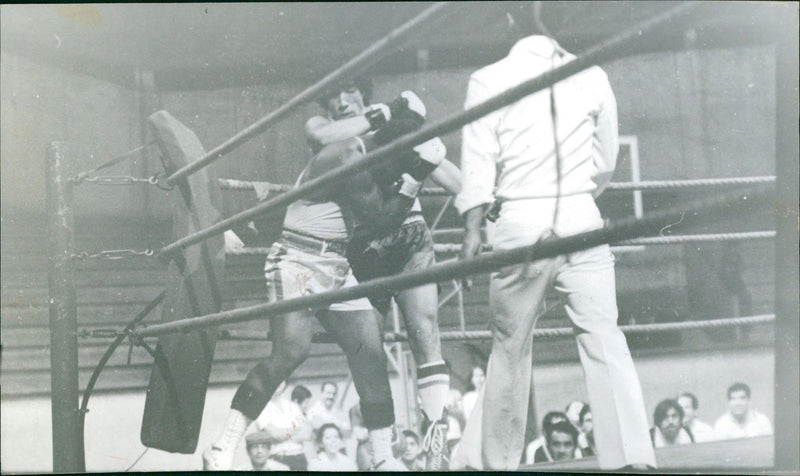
(377, 115)
(408, 106)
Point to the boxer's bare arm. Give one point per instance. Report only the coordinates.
(447, 176)
(359, 193)
(321, 131)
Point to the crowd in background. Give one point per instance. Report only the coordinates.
(303, 433)
(569, 434)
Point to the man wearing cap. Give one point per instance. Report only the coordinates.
(258, 449)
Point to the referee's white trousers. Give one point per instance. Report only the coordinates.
(586, 279)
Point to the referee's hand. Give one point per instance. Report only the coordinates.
(470, 247)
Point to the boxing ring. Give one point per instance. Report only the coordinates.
(753, 193)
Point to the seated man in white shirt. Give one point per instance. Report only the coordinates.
(701, 431)
(324, 411)
(258, 449)
(668, 429)
(285, 420)
(741, 421)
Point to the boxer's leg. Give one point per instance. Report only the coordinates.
(419, 307)
(358, 333)
(291, 343)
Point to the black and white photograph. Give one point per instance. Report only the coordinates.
(555, 236)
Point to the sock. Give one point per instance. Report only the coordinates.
(235, 427)
(381, 441)
(433, 383)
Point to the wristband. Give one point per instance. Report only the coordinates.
(409, 186)
(376, 118)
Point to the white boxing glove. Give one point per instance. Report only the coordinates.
(433, 151)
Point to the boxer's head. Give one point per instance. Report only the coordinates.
(349, 99)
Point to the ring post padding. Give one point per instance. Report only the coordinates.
(176, 395)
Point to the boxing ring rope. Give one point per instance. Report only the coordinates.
(654, 240)
(627, 329)
(347, 70)
(614, 231)
(244, 185)
(610, 49)
(391, 337)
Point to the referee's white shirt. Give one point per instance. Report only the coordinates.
(510, 152)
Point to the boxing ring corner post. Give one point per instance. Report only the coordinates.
(67, 434)
(787, 333)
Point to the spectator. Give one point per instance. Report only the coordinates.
(740, 421)
(573, 412)
(476, 380)
(455, 418)
(413, 457)
(586, 436)
(324, 412)
(331, 456)
(286, 421)
(561, 441)
(668, 429)
(700, 430)
(258, 449)
(550, 419)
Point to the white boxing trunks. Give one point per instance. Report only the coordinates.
(299, 264)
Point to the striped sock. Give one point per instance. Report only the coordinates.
(433, 382)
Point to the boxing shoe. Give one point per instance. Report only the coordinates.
(434, 444)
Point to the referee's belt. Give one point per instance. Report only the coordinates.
(310, 243)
